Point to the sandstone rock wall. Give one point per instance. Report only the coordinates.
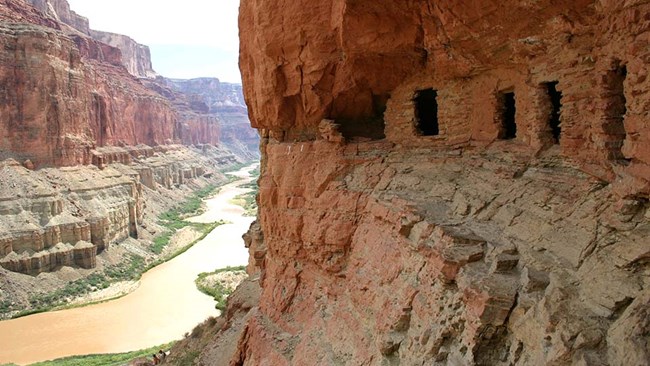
(342, 65)
(219, 96)
(60, 10)
(66, 93)
(135, 57)
(204, 100)
(495, 240)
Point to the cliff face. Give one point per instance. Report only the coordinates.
(60, 11)
(448, 183)
(70, 216)
(224, 101)
(65, 92)
(135, 57)
(220, 97)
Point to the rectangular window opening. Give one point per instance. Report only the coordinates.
(426, 112)
(555, 97)
(508, 112)
(615, 112)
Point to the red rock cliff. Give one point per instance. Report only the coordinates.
(225, 101)
(60, 11)
(477, 193)
(135, 57)
(65, 93)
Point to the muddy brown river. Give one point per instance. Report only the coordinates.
(163, 308)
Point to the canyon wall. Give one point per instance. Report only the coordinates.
(226, 102)
(135, 57)
(85, 125)
(60, 11)
(447, 183)
(219, 96)
(57, 217)
(65, 94)
(68, 89)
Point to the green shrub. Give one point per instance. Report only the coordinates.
(218, 292)
(173, 219)
(112, 359)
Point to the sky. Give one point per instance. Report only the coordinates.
(188, 39)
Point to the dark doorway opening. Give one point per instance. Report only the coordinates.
(426, 112)
(555, 98)
(616, 109)
(508, 111)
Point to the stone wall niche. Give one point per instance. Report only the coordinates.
(366, 128)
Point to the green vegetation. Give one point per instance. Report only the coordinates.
(204, 228)
(113, 359)
(134, 266)
(218, 292)
(173, 219)
(6, 306)
(130, 270)
(248, 202)
(188, 358)
(237, 166)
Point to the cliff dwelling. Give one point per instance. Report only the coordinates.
(502, 220)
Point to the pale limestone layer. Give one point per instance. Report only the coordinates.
(65, 216)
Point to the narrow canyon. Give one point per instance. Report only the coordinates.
(441, 182)
(95, 147)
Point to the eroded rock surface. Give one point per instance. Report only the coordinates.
(69, 90)
(442, 214)
(58, 217)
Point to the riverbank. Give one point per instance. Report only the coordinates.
(141, 318)
(119, 269)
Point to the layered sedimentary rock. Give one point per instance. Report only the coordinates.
(68, 90)
(55, 217)
(219, 96)
(226, 102)
(60, 11)
(135, 57)
(196, 124)
(448, 183)
(64, 94)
